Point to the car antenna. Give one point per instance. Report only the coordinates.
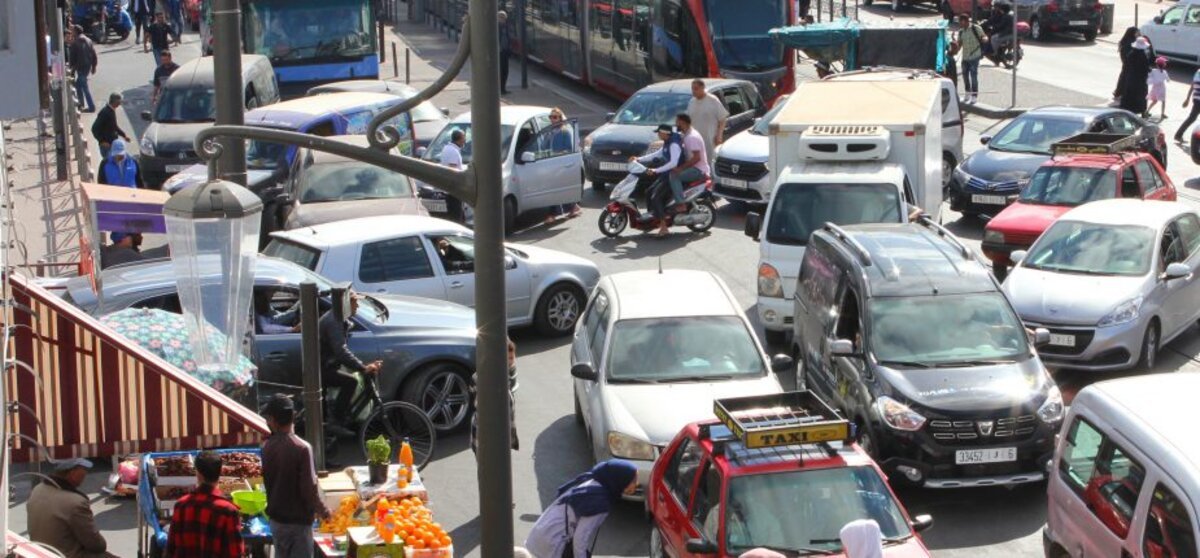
(660, 265)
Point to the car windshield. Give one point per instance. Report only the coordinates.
(799, 209)
(650, 108)
(739, 33)
(763, 124)
(265, 155)
(1069, 186)
(950, 329)
(185, 104)
(1032, 133)
(303, 31)
(683, 349)
(349, 180)
(302, 256)
(1092, 249)
(802, 510)
(434, 152)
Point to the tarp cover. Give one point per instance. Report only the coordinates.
(903, 47)
(830, 33)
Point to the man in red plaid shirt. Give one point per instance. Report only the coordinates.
(206, 524)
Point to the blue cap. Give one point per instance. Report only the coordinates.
(116, 237)
(118, 148)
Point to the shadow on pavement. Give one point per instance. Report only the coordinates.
(978, 517)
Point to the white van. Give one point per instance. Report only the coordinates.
(1175, 33)
(1125, 480)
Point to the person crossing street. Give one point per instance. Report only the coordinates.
(1192, 97)
(81, 54)
(105, 129)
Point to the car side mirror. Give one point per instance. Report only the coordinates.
(147, 116)
(985, 139)
(609, 116)
(584, 371)
(1041, 336)
(841, 347)
(753, 225)
(445, 111)
(1177, 270)
(509, 262)
(1158, 19)
(922, 522)
(781, 363)
(1017, 256)
(528, 157)
(701, 546)
(421, 151)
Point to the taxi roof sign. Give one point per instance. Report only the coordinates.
(783, 419)
(1095, 144)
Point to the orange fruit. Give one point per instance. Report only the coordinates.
(410, 541)
(444, 540)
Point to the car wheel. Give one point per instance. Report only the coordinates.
(1149, 355)
(865, 440)
(1000, 271)
(776, 338)
(948, 165)
(442, 390)
(656, 543)
(706, 208)
(1035, 29)
(558, 310)
(611, 224)
(578, 409)
(598, 185)
(510, 215)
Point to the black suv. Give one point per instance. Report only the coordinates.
(1058, 16)
(902, 328)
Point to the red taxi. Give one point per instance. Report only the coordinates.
(773, 471)
(1086, 168)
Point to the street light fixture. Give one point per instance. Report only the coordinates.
(212, 229)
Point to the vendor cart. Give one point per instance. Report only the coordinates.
(857, 44)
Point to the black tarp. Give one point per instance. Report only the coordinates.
(904, 48)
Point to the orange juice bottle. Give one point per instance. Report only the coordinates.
(406, 456)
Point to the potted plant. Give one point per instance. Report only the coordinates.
(379, 455)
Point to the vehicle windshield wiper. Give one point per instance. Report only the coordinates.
(905, 363)
(632, 381)
(794, 551)
(698, 378)
(978, 362)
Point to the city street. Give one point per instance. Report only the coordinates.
(978, 523)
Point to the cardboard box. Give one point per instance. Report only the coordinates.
(429, 552)
(366, 543)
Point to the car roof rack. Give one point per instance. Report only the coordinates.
(864, 257)
(945, 233)
(782, 419)
(1095, 144)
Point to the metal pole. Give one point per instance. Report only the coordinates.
(843, 8)
(227, 62)
(407, 64)
(58, 88)
(396, 64)
(1135, 15)
(523, 5)
(495, 459)
(1016, 49)
(382, 42)
(310, 370)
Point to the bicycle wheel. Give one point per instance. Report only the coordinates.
(397, 421)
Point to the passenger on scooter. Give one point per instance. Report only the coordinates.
(999, 27)
(695, 164)
(668, 157)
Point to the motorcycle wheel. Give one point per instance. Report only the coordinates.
(612, 224)
(704, 207)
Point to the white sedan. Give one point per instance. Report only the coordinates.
(435, 258)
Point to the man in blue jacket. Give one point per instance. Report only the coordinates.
(119, 169)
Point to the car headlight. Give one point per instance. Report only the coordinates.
(146, 146)
(769, 283)
(897, 415)
(1052, 410)
(628, 447)
(996, 237)
(1125, 312)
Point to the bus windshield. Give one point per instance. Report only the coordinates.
(739, 33)
(296, 31)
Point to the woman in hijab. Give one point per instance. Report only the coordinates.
(1136, 68)
(1123, 47)
(568, 528)
(861, 538)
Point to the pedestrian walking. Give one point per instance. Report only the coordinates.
(166, 67)
(971, 39)
(119, 169)
(562, 142)
(568, 527)
(505, 49)
(708, 117)
(1192, 96)
(290, 479)
(451, 156)
(142, 12)
(1136, 68)
(1157, 83)
(105, 129)
(1123, 47)
(205, 522)
(61, 516)
(862, 538)
(174, 9)
(158, 37)
(81, 54)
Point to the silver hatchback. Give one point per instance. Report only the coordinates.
(1113, 281)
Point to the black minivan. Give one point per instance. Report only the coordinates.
(903, 330)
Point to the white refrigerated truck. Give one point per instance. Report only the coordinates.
(844, 152)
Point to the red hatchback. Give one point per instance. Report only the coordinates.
(1065, 182)
(788, 480)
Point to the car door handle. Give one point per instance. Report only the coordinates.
(277, 356)
(456, 284)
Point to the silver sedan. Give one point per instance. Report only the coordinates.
(1113, 281)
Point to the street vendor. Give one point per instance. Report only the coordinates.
(290, 478)
(205, 523)
(61, 516)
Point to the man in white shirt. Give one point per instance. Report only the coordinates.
(708, 117)
(452, 153)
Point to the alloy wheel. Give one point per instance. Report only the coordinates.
(446, 399)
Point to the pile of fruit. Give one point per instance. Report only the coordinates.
(410, 521)
(175, 466)
(241, 464)
(342, 518)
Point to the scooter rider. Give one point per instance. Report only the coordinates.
(999, 27)
(671, 155)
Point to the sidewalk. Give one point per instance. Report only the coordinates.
(995, 94)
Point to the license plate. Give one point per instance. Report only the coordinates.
(1079, 22)
(985, 455)
(733, 182)
(612, 166)
(1062, 340)
(176, 168)
(434, 206)
(991, 200)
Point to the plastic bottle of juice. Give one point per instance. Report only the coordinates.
(406, 456)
